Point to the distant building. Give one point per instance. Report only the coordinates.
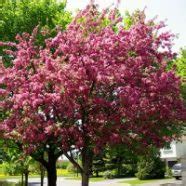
(174, 153)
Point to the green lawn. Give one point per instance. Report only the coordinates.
(60, 172)
(138, 182)
(4, 177)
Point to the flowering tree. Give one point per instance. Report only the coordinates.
(94, 84)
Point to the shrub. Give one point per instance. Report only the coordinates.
(151, 168)
(108, 175)
(168, 172)
(128, 170)
(11, 169)
(71, 168)
(62, 164)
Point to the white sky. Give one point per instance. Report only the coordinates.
(174, 11)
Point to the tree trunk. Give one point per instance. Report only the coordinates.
(87, 159)
(51, 170)
(97, 173)
(22, 179)
(49, 164)
(42, 174)
(52, 177)
(119, 166)
(85, 179)
(26, 178)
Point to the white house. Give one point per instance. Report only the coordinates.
(176, 151)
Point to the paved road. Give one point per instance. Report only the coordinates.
(115, 182)
(65, 182)
(166, 182)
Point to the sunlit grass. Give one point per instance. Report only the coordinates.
(138, 182)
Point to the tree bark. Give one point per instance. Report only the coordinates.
(42, 174)
(97, 173)
(52, 176)
(26, 178)
(119, 164)
(49, 165)
(22, 179)
(85, 179)
(51, 170)
(87, 159)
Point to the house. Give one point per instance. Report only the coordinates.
(175, 152)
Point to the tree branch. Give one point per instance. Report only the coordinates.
(41, 160)
(74, 162)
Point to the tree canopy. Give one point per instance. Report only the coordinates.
(20, 16)
(96, 83)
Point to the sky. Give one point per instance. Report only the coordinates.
(171, 11)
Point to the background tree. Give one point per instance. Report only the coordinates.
(21, 16)
(93, 85)
(150, 166)
(180, 63)
(17, 163)
(121, 160)
(99, 163)
(118, 161)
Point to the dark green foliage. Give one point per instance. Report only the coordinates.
(150, 168)
(98, 164)
(117, 161)
(108, 174)
(129, 170)
(3, 156)
(122, 160)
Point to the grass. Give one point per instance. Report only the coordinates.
(4, 183)
(4, 177)
(60, 172)
(139, 182)
(65, 173)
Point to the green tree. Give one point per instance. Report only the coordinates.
(180, 63)
(122, 160)
(150, 168)
(18, 163)
(18, 16)
(99, 163)
(118, 160)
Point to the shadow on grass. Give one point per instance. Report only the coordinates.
(5, 183)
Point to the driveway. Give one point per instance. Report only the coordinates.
(166, 182)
